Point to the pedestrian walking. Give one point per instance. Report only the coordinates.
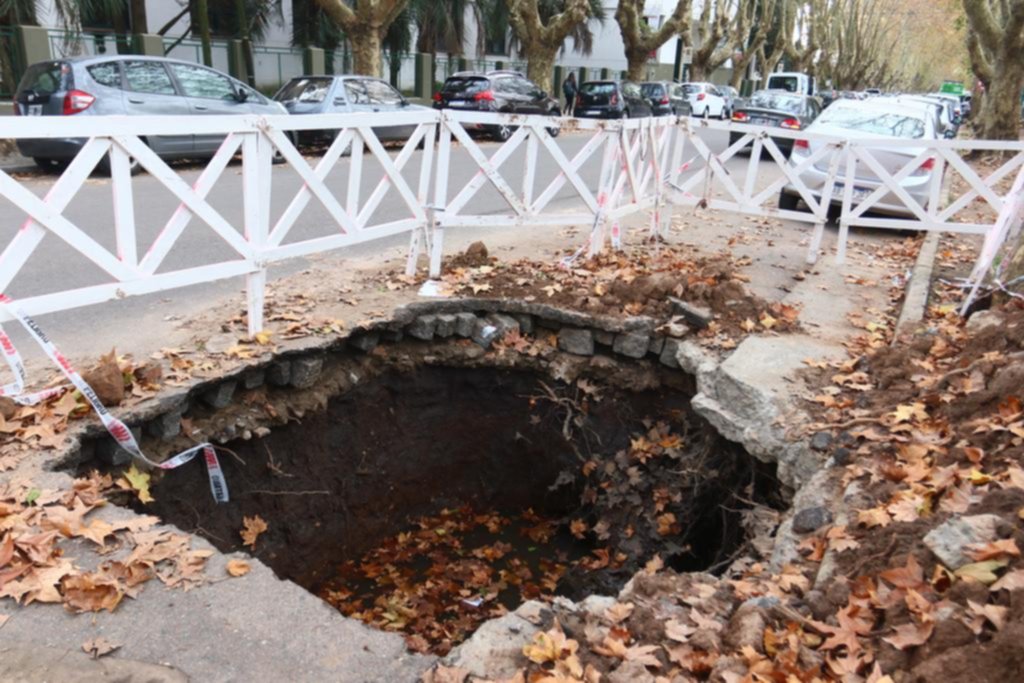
(569, 90)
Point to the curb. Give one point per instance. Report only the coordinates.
(916, 300)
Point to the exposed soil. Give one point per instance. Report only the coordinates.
(627, 475)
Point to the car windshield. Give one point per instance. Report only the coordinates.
(788, 83)
(465, 86)
(691, 89)
(777, 101)
(872, 121)
(45, 78)
(597, 88)
(652, 90)
(304, 90)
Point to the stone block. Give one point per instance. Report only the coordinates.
(166, 426)
(632, 344)
(604, 337)
(280, 373)
(525, 321)
(254, 379)
(668, 353)
(576, 340)
(504, 323)
(811, 519)
(465, 323)
(446, 324)
(365, 342)
(485, 332)
(423, 327)
(219, 396)
(656, 345)
(306, 371)
(698, 316)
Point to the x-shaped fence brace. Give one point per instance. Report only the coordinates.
(620, 169)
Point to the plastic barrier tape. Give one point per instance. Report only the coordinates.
(117, 429)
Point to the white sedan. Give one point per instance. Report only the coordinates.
(706, 101)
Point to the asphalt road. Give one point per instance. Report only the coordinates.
(55, 266)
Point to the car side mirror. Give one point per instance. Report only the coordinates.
(241, 94)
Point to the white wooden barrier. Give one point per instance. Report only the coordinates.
(620, 169)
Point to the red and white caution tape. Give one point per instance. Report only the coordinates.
(117, 429)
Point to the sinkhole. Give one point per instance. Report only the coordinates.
(426, 499)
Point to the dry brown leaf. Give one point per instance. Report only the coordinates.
(252, 528)
(237, 567)
(97, 647)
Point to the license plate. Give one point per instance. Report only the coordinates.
(758, 121)
(859, 193)
(35, 110)
(591, 112)
(459, 105)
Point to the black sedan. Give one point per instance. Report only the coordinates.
(667, 99)
(776, 109)
(611, 100)
(506, 92)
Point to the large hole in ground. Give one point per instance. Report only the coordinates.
(427, 500)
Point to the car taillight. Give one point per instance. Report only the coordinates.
(437, 97)
(792, 124)
(77, 101)
(485, 96)
(739, 116)
(927, 166)
(701, 96)
(615, 99)
(801, 144)
(665, 100)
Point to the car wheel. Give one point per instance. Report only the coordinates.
(724, 115)
(554, 130)
(788, 202)
(50, 165)
(707, 113)
(503, 133)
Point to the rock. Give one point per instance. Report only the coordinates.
(445, 325)
(656, 345)
(631, 344)
(464, 324)
(982, 320)
(810, 519)
(495, 651)
(393, 336)
(676, 329)
(698, 316)
(746, 628)
(166, 426)
(106, 380)
(948, 541)
(280, 373)
(604, 337)
(668, 353)
(597, 604)
(254, 379)
(631, 672)
(692, 358)
(841, 457)
(306, 371)
(8, 408)
(505, 324)
(219, 396)
(577, 341)
(423, 327)
(821, 441)
(365, 342)
(525, 321)
(484, 332)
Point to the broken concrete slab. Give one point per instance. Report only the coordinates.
(26, 663)
(698, 316)
(949, 541)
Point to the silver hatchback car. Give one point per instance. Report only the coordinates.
(131, 85)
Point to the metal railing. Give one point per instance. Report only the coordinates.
(89, 43)
(597, 174)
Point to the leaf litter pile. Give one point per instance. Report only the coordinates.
(912, 573)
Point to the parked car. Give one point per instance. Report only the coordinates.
(611, 100)
(667, 99)
(791, 81)
(131, 85)
(955, 103)
(777, 109)
(945, 125)
(706, 100)
(348, 95)
(508, 92)
(873, 119)
(732, 98)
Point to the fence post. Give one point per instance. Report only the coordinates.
(313, 61)
(444, 150)
(424, 83)
(257, 156)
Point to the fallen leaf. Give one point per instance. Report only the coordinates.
(139, 482)
(253, 527)
(97, 647)
(983, 572)
(237, 567)
(911, 634)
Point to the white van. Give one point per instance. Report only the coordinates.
(791, 81)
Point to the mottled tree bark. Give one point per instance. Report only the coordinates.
(640, 41)
(998, 57)
(364, 27)
(541, 43)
